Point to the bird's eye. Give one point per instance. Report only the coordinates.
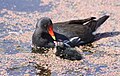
(45, 25)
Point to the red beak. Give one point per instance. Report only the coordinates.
(50, 30)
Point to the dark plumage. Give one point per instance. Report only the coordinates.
(41, 36)
(73, 32)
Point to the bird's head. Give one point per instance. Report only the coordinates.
(45, 25)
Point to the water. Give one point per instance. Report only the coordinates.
(25, 5)
(12, 46)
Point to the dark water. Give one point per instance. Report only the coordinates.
(25, 5)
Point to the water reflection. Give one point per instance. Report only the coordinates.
(28, 69)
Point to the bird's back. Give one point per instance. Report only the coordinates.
(73, 30)
(79, 28)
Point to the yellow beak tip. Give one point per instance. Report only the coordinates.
(54, 37)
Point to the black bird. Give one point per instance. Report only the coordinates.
(71, 33)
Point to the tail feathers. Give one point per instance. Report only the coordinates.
(101, 20)
(94, 24)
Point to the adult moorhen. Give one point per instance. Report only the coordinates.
(71, 33)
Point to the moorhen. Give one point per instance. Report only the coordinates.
(71, 33)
